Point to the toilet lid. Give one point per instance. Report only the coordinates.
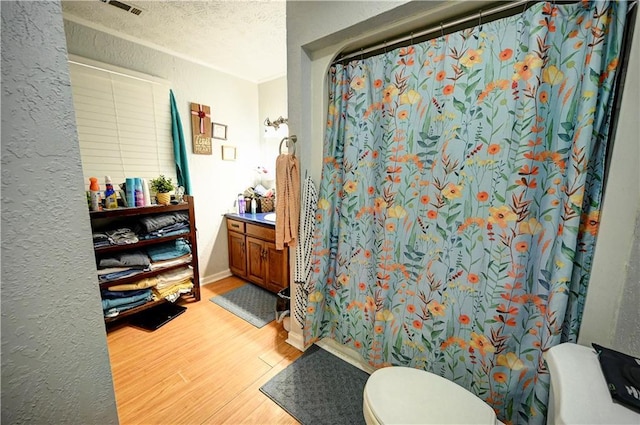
(402, 395)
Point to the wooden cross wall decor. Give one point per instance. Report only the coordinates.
(201, 128)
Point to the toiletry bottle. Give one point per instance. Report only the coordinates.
(94, 188)
(139, 194)
(131, 191)
(254, 206)
(110, 197)
(241, 204)
(146, 192)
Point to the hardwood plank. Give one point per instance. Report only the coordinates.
(205, 366)
(253, 407)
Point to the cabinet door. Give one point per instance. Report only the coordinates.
(277, 276)
(237, 258)
(256, 260)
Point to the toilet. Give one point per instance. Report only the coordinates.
(579, 395)
(404, 395)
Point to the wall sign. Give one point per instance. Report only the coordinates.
(201, 128)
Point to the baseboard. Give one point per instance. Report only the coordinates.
(215, 277)
(296, 341)
(347, 354)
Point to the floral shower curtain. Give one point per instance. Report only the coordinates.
(460, 197)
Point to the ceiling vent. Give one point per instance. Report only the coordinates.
(126, 7)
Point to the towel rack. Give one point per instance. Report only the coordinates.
(293, 138)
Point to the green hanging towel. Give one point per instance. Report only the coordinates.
(179, 149)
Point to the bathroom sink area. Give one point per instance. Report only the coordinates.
(270, 217)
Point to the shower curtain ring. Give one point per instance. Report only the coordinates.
(480, 18)
(412, 38)
(441, 29)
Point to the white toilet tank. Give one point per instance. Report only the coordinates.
(579, 393)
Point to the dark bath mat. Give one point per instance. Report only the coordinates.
(319, 388)
(249, 302)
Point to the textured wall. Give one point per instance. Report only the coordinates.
(55, 365)
(233, 102)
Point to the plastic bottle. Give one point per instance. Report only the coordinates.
(94, 188)
(131, 191)
(139, 194)
(146, 193)
(110, 197)
(241, 204)
(254, 206)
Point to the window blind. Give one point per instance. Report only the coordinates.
(124, 123)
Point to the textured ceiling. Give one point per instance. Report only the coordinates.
(242, 38)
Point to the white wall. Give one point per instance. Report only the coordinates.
(55, 364)
(318, 31)
(627, 335)
(272, 104)
(233, 101)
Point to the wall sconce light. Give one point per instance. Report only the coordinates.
(275, 124)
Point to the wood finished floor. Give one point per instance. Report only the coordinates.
(204, 367)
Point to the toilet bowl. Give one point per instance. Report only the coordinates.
(403, 395)
(578, 395)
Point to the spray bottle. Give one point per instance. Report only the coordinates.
(94, 188)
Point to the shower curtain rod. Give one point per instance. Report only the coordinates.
(439, 28)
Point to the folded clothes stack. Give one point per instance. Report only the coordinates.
(114, 303)
(148, 227)
(169, 285)
(122, 264)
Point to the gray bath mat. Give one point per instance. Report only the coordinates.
(249, 302)
(319, 388)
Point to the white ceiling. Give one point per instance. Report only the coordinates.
(239, 37)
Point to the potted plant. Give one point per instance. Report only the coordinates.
(162, 186)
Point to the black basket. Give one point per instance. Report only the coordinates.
(283, 303)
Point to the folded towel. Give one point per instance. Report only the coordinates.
(185, 259)
(122, 236)
(152, 223)
(116, 302)
(169, 250)
(136, 259)
(138, 284)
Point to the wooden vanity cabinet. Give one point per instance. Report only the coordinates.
(253, 255)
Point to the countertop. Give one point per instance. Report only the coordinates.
(251, 218)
